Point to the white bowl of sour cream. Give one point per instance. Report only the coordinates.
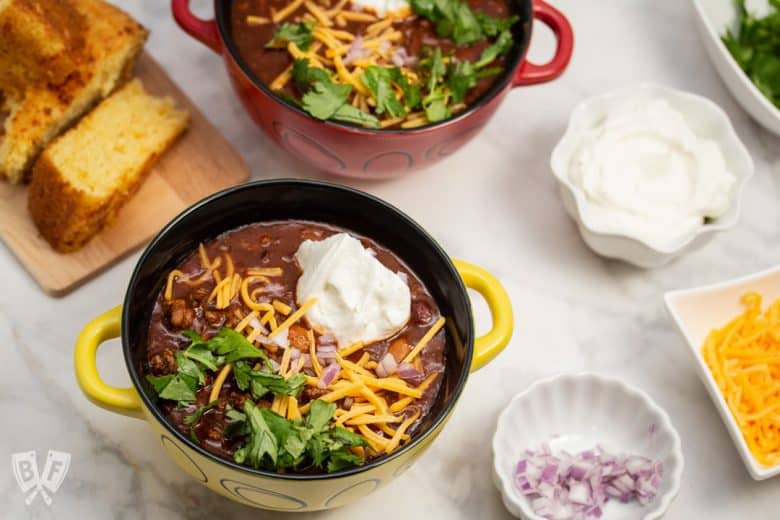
(650, 173)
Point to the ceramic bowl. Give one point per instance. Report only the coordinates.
(578, 412)
(713, 17)
(705, 118)
(265, 201)
(696, 312)
(365, 153)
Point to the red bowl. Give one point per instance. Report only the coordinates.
(358, 152)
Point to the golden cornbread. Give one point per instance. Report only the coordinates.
(41, 41)
(85, 176)
(113, 40)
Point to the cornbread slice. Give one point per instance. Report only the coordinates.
(41, 41)
(85, 176)
(113, 40)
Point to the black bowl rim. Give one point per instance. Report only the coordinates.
(419, 437)
(498, 86)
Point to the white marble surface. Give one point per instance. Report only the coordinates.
(574, 311)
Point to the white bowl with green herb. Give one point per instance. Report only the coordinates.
(750, 30)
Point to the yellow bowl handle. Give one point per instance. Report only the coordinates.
(120, 400)
(488, 346)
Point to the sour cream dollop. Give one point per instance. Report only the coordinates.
(358, 298)
(647, 174)
(381, 7)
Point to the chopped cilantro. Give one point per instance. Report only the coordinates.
(500, 47)
(298, 33)
(261, 383)
(756, 48)
(379, 80)
(273, 442)
(325, 98)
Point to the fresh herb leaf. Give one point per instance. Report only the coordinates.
(190, 368)
(379, 81)
(436, 109)
(320, 414)
(349, 114)
(324, 99)
(343, 458)
(227, 346)
(242, 373)
(755, 46)
(298, 33)
(500, 47)
(452, 19)
(200, 352)
(159, 382)
(492, 27)
(260, 383)
(278, 385)
(461, 77)
(304, 75)
(236, 424)
(181, 388)
(274, 442)
(260, 447)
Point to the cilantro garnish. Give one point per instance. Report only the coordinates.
(228, 346)
(454, 19)
(273, 442)
(298, 33)
(325, 99)
(756, 48)
(261, 383)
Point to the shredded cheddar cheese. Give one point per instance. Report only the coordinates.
(293, 6)
(294, 317)
(744, 359)
(218, 382)
(424, 340)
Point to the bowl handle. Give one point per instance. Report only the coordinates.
(488, 346)
(205, 31)
(120, 400)
(530, 73)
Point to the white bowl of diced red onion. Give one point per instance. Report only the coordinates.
(585, 446)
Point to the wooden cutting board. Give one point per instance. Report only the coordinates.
(199, 164)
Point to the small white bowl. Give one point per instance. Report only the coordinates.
(713, 18)
(705, 118)
(696, 312)
(578, 412)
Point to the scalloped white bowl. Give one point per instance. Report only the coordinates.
(699, 310)
(578, 412)
(705, 118)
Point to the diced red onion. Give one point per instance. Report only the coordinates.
(327, 339)
(255, 324)
(276, 366)
(306, 360)
(294, 354)
(329, 373)
(411, 375)
(577, 487)
(356, 51)
(386, 366)
(401, 58)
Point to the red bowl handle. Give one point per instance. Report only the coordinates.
(205, 31)
(530, 73)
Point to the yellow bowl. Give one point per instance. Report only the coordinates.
(274, 200)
